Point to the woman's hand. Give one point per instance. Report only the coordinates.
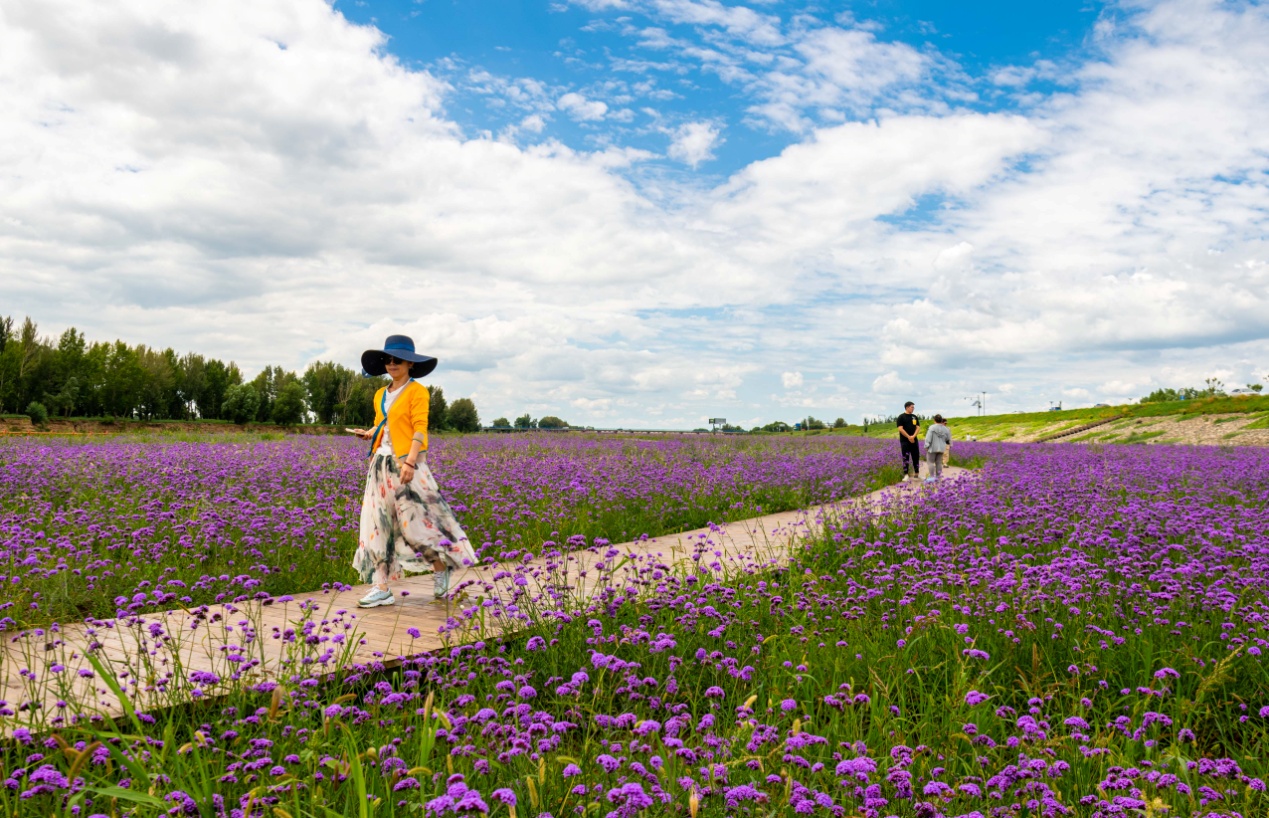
(407, 472)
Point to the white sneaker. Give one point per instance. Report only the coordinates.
(440, 583)
(376, 598)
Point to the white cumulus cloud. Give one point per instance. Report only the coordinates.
(694, 142)
(581, 108)
(890, 384)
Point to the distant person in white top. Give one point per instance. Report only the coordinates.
(938, 448)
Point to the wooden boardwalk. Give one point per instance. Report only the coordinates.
(170, 657)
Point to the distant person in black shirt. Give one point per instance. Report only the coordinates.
(909, 448)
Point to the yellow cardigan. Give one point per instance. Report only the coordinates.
(406, 416)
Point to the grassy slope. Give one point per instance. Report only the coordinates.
(1029, 425)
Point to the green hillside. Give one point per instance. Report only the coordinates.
(1171, 421)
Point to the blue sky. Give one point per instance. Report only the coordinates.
(651, 212)
(576, 48)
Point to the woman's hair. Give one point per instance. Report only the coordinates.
(939, 419)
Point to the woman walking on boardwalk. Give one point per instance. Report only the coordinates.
(404, 519)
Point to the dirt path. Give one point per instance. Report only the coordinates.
(169, 657)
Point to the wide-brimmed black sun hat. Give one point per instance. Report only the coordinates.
(401, 347)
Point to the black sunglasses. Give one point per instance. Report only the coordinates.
(388, 359)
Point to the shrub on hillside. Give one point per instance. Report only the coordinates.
(1212, 388)
(37, 412)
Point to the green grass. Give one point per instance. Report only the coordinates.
(1242, 404)
(1141, 437)
(1260, 423)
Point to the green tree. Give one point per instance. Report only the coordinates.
(840, 423)
(242, 401)
(33, 359)
(123, 379)
(437, 410)
(217, 379)
(8, 364)
(160, 396)
(92, 381)
(63, 403)
(359, 406)
(525, 422)
(288, 407)
(462, 415)
(327, 384)
(552, 422)
(69, 366)
(499, 423)
(269, 384)
(1161, 396)
(191, 376)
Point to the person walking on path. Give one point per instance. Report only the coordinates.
(909, 427)
(938, 448)
(404, 520)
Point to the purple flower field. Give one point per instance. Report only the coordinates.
(124, 527)
(1076, 631)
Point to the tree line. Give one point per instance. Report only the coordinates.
(1212, 388)
(69, 376)
(527, 421)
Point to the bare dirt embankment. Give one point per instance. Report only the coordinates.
(1202, 430)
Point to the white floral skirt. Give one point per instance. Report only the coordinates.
(406, 522)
